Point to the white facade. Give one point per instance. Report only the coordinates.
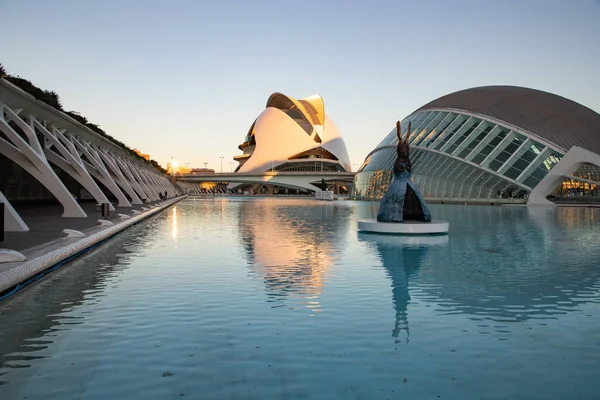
(293, 135)
(37, 137)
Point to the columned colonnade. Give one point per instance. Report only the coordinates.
(34, 135)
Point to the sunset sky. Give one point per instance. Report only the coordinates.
(186, 79)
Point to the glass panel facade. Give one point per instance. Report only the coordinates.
(460, 157)
(416, 141)
(462, 136)
(476, 137)
(491, 145)
(450, 131)
(432, 137)
(540, 168)
(506, 150)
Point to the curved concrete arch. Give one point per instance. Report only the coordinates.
(571, 162)
(117, 175)
(98, 170)
(281, 101)
(69, 161)
(333, 142)
(30, 156)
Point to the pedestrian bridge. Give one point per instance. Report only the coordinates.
(299, 180)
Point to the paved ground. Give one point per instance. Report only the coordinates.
(46, 224)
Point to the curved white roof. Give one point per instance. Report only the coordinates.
(288, 127)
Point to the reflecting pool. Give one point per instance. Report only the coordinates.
(240, 298)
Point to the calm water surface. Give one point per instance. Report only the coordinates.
(282, 298)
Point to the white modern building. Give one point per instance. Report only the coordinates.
(45, 155)
(293, 135)
(495, 144)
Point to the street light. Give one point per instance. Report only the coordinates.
(205, 165)
(230, 166)
(221, 157)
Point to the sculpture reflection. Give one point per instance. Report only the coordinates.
(290, 247)
(504, 265)
(402, 256)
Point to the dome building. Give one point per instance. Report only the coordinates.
(495, 144)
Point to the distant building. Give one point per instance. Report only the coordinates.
(293, 135)
(498, 144)
(139, 153)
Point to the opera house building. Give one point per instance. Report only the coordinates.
(293, 135)
(495, 144)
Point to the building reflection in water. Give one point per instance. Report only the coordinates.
(402, 257)
(292, 245)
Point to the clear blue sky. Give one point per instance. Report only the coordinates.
(187, 78)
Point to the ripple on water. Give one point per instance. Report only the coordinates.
(282, 298)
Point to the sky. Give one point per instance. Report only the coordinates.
(185, 79)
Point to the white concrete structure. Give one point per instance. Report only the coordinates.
(495, 144)
(39, 138)
(300, 180)
(403, 228)
(293, 135)
(575, 158)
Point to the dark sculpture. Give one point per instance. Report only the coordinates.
(403, 201)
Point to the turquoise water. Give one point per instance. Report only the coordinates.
(283, 299)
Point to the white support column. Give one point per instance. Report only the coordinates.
(99, 171)
(12, 220)
(160, 182)
(571, 162)
(138, 172)
(70, 162)
(30, 156)
(124, 165)
(123, 174)
(117, 174)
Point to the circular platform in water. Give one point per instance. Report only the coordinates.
(403, 228)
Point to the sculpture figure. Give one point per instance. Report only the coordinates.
(403, 201)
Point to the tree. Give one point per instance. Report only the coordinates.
(51, 98)
(2, 71)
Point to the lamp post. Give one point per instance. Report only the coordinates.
(230, 166)
(205, 165)
(221, 157)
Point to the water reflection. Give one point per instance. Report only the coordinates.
(30, 320)
(174, 223)
(508, 264)
(402, 257)
(292, 244)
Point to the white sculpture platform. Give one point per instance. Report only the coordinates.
(406, 240)
(403, 228)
